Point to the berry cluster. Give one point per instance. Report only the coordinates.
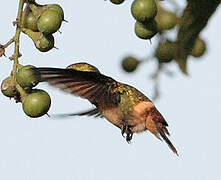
(40, 22)
(144, 11)
(35, 102)
(152, 18)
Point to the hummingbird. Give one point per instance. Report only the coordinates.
(121, 104)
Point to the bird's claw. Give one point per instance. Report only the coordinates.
(125, 129)
(129, 137)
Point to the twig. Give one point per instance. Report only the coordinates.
(156, 79)
(3, 47)
(9, 43)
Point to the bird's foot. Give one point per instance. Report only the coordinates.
(125, 129)
(129, 137)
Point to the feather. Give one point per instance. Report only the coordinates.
(93, 86)
(92, 112)
(166, 139)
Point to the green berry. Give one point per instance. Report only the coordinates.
(37, 103)
(165, 52)
(166, 20)
(144, 10)
(129, 64)
(37, 9)
(58, 9)
(49, 21)
(31, 22)
(117, 1)
(7, 88)
(199, 48)
(28, 77)
(146, 30)
(45, 43)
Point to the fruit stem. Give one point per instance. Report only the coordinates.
(156, 79)
(22, 92)
(17, 38)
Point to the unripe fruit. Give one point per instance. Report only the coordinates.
(37, 9)
(146, 30)
(37, 103)
(166, 20)
(165, 52)
(58, 9)
(7, 88)
(49, 22)
(144, 10)
(199, 48)
(45, 43)
(117, 1)
(42, 41)
(31, 22)
(129, 64)
(28, 76)
(83, 67)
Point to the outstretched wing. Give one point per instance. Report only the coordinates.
(92, 112)
(89, 85)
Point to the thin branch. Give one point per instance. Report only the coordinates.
(9, 43)
(156, 79)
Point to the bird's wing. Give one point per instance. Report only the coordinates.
(92, 112)
(89, 85)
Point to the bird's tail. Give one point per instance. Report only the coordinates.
(156, 124)
(162, 130)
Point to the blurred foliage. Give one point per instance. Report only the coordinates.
(186, 23)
